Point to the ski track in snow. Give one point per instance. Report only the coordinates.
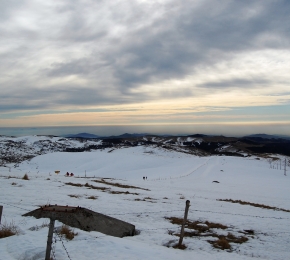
(172, 178)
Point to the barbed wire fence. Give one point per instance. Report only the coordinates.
(53, 247)
(63, 245)
(169, 211)
(58, 238)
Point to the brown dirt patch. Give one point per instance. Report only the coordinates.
(208, 229)
(254, 204)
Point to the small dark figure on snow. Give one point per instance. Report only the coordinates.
(67, 174)
(143, 178)
(71, 174)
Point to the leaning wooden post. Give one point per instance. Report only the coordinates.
(49, 239)
(184, 221)
(1, 209)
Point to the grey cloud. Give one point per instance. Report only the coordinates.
(176, 44)
(235, 83)
(8, 7)
(179, 41)
(60, 97)
(83, 67)
(153, 42)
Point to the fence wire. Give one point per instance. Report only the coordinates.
(63, 245)
(180, 210)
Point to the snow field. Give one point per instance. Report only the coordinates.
(172, 178)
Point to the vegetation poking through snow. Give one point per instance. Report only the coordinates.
(87, 185)
(74, 196)
(67, 232)
(206, 229)
(8, 229)
(119, 185)
(92, 197)
(254, 204)
(148, 199)
(100, 188)
(25, 177)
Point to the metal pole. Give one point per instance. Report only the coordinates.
(184, 221)
(285, 168)
(1, 209)
(49, 239)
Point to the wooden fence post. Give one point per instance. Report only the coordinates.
(183, 224)
(49, 239)
(1, 209)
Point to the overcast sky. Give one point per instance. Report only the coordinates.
(110, 62)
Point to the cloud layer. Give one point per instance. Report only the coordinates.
(68, 56)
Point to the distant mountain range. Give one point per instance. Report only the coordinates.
(127, 135)
(18, 149)
(88, 136)
(82, 135)
(265, 136)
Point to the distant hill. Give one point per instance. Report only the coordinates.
(197, 135)
(18, 149)
(82, 135)
(265, 136)
(126, 135)
(88, 136)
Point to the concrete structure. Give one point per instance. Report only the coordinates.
(84, 219)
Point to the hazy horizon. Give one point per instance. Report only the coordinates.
(226, 130)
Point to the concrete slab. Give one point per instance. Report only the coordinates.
(84, 219)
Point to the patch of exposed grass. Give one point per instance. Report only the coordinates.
(11, 177)
(7, 230)
(215, 225)
(74, 196)
(96, 187)
(182, 247)
(254, 204)
(74, 184)
(221, 243)
(87, 185)
(238, 240)
(119, 185)
(92, 197)
(123, 192)
(206, 229)
(148, 199)
(100, 188)
(67, 232)
(25, 177)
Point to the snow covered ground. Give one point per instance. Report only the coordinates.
(172, 178)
